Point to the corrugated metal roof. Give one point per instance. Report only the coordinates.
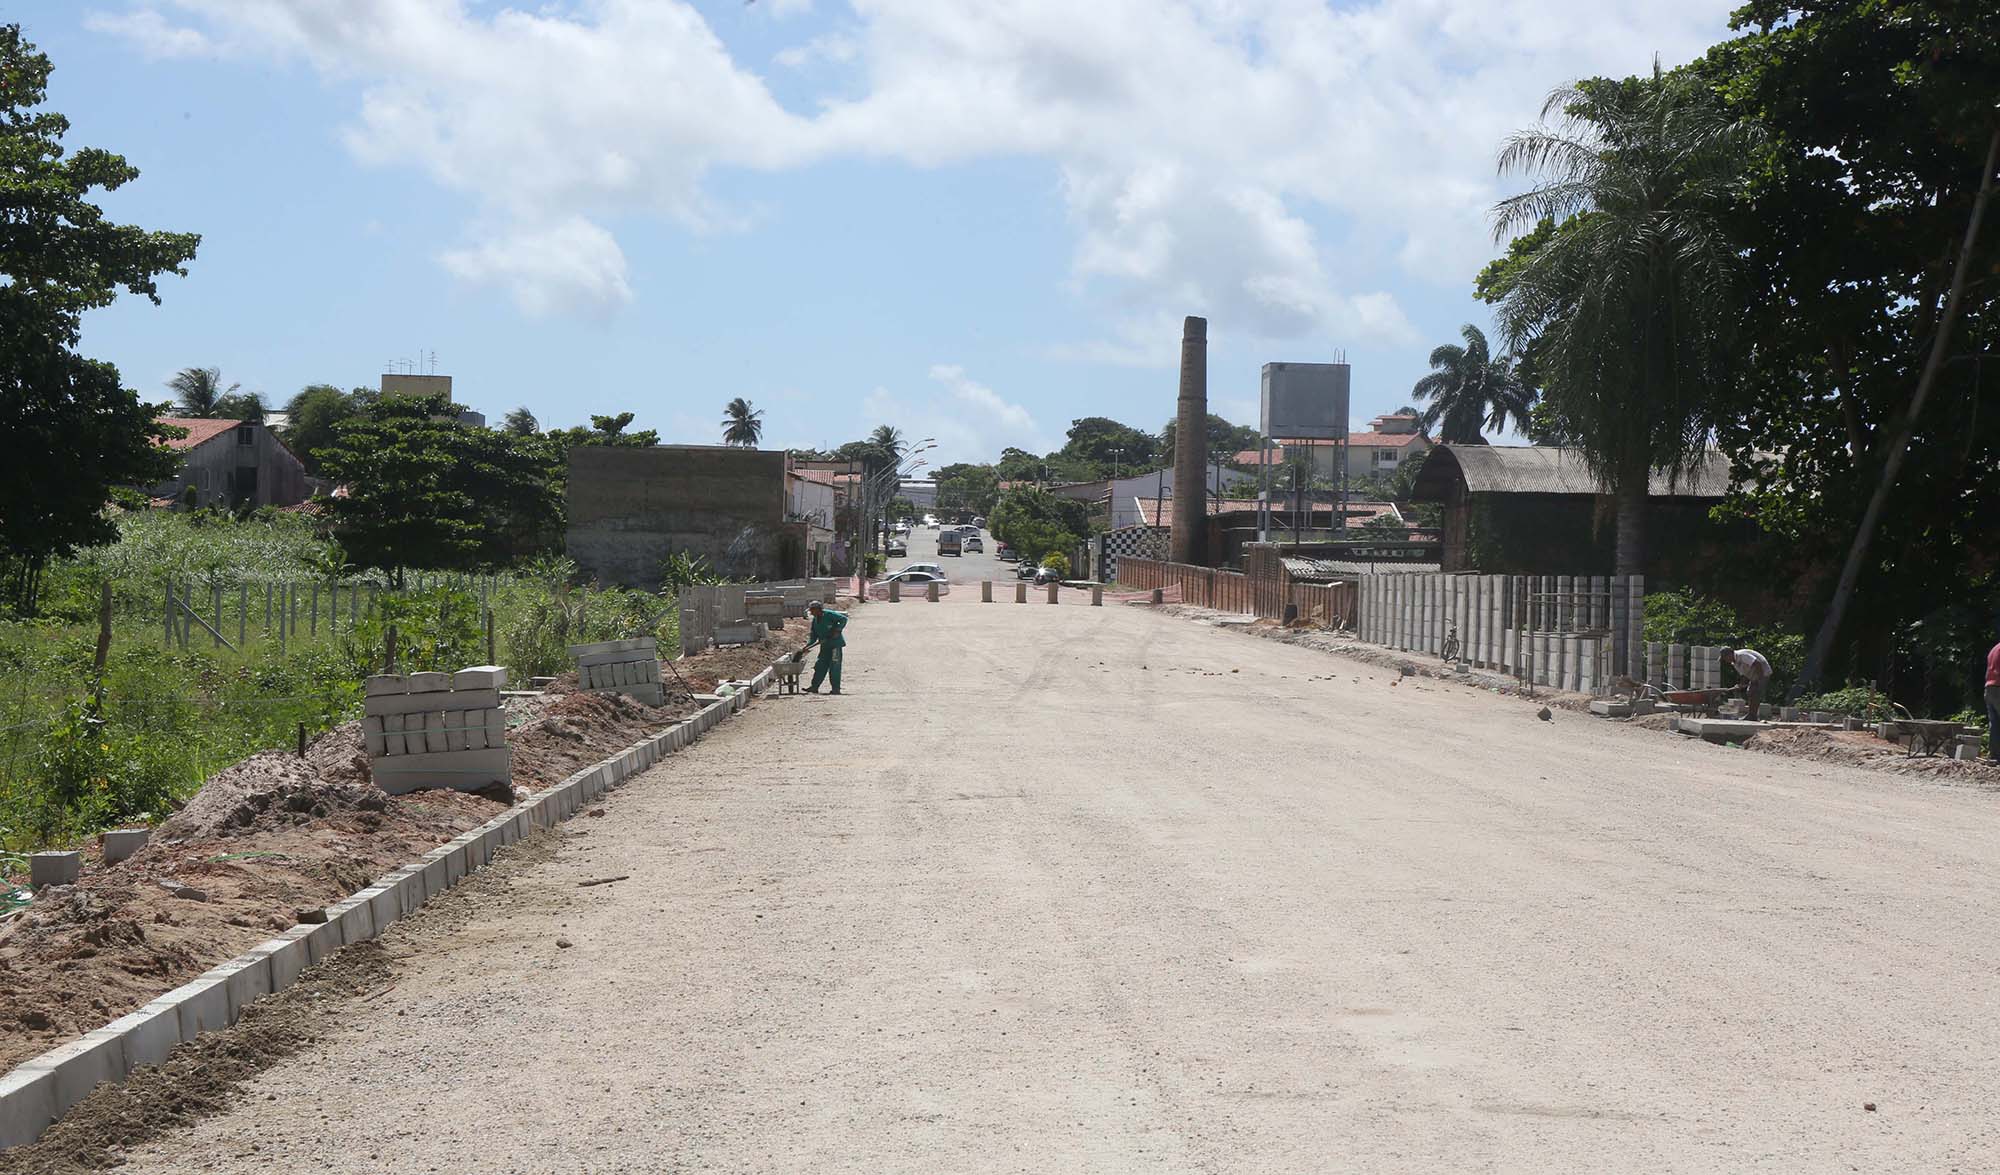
(1534, 469)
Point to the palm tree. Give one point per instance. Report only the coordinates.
(1629, 303)
(1470, 390)
(198, 389)
(520, 422)
(742, 425)
(889, 439)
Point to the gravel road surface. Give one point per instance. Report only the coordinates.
(1061, 889)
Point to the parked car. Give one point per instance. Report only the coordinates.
(1026, 570)
(1047, 575)
(897, 549)
(968, 528)
(914, 583)
(936, 569)
(979, 522)
(1004, 553)
(974, 543)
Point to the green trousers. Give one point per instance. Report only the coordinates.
(828, 665)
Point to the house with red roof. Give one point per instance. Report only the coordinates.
(230, 464)
(1390, 440)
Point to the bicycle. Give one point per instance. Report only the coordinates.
(1450, 651)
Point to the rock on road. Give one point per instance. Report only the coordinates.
(1095, 889)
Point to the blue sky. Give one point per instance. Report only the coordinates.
(972, 220)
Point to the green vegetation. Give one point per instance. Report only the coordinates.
(1037, 523)
(1470, 390)
(79, 752)
(1688, 618)
(73, 431)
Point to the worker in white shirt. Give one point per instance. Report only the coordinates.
(1753, 673)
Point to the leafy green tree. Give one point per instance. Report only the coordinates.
(1224, 439)
(1871, 296)
(1105, 443)
(1018, 465)
(742, 425)
(967, 489)
(1470, 389)
(1035, 522)
(605, 430)
(74, 431)
(1631, 297)
(889, 439)
(311, 417)
(242, 406)
(424, 491)
(198, 391)
(520, 422)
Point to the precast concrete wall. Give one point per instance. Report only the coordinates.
(1573, 632)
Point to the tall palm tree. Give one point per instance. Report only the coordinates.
(742, 425)
(889, 439)
(520, 422)
(1469, 389)
(198, 389)
(1629, 302)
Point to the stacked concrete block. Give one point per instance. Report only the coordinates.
(629, 666)
(437, 730)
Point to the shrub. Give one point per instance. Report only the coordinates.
(1057, 562)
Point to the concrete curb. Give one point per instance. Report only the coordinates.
(35, 1094)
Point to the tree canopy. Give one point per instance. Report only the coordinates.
(424, 491)
(1035, 522)
(76, 431)
(742, 425)
(1471, 390)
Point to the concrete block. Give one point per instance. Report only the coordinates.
(203, 1003)
(1605, 708)
(245, 980)
(322, 939)
(385, 905)
(521, 824)
(371, 736)
(27, 1102)
(465, 770)
(84, 1064)
(1097, 595)
(1967, 752)
(435, 869)
(54, 868)
(496, 729)
(353, 918)
(1718, 730)
(429, 683)
(288, 956)
(384, 685)
(432, 703)
(1052, 591)
(150, 1034)
(492, 677)
(1020, 591)
(120, 843)
(986, 591)
(634, 644)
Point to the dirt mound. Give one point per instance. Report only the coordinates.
(565, 733)
(1854, 748)
(265, 791)
(737, 662)
(1655, 721)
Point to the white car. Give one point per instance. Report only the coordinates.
(914, 583)
(936, 569)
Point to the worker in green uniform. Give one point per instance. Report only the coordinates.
(826, 633)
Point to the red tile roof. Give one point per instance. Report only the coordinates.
(1386, 440)
(200, 430)
(1160, 511)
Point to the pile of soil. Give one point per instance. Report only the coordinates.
(268, 837)
(738, 662)
(1857, 748)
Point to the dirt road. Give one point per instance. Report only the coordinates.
(1078, 889)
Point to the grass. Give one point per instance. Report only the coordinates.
(78, 755)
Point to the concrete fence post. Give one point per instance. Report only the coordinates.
(1020, 592)
(1635, 620)
(1097, 595)
(986, 591)
(931, 591)
(1052, 591)
(895, 590)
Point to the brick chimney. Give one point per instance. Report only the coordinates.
(1191, 447)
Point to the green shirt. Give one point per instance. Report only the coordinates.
(826, 628)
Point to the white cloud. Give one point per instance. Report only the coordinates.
(1277, 165)
(968, 420)
(151, 33)
(570, 265)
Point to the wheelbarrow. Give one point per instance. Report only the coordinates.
(786, 670)
(1927, 736)
(1707, 699)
